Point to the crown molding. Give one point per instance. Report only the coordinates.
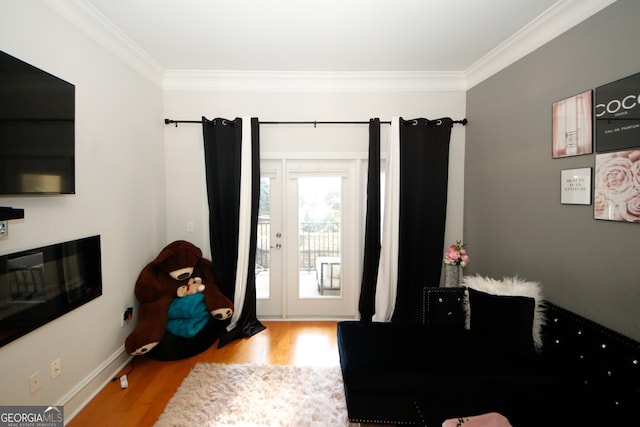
(559, 18)
(91, 22)
(283, 81)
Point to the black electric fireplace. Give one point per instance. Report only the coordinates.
(40, 285)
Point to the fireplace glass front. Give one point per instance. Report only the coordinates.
(40, 285)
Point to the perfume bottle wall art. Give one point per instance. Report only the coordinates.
(572, 126)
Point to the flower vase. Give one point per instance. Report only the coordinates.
(452, 275)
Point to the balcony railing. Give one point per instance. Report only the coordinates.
(315, 239)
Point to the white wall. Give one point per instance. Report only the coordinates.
(183, 145)
(120, 195)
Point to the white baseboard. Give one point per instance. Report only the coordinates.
(79, 396)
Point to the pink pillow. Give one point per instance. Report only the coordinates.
(492, 419)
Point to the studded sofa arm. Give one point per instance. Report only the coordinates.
(602, 363)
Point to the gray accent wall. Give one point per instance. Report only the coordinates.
(514, 223)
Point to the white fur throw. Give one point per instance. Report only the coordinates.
(509, 286)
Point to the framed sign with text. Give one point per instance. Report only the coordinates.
(575, 186)
(617, 114)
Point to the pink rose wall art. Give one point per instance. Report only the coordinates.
(617, 186)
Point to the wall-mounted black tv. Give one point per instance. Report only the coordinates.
(37, 130)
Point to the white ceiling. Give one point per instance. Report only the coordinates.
(334, 35)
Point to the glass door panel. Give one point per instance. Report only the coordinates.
(269, 264)
(319, 237)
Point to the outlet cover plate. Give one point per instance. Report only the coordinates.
(56, 369)
(34, 382)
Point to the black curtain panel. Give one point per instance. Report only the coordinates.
(424, 168)
(223, 145)
(366, 304)
(408, 256)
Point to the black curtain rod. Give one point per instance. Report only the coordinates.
(463, 122)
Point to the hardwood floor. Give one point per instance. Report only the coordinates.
(152, 383)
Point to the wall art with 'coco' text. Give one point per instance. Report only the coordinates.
(617, 114)
(617, 186)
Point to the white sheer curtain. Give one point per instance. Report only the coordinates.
(386, 287)
(244, 226)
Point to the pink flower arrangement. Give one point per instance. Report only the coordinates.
(457, 255)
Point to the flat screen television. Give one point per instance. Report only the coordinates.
(41, 284)
(37, 130)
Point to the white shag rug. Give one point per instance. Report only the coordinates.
(224, 395)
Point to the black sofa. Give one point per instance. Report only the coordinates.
(422, 374)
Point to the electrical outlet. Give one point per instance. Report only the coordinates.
(34, 382)
(126, 316)
(4, 228)
(56, 369)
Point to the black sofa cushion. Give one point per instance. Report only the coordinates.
(399, 354)
(513, 286)
(408, 357)
(502, 323)
(413, 366)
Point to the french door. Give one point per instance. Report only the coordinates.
(306, 262)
